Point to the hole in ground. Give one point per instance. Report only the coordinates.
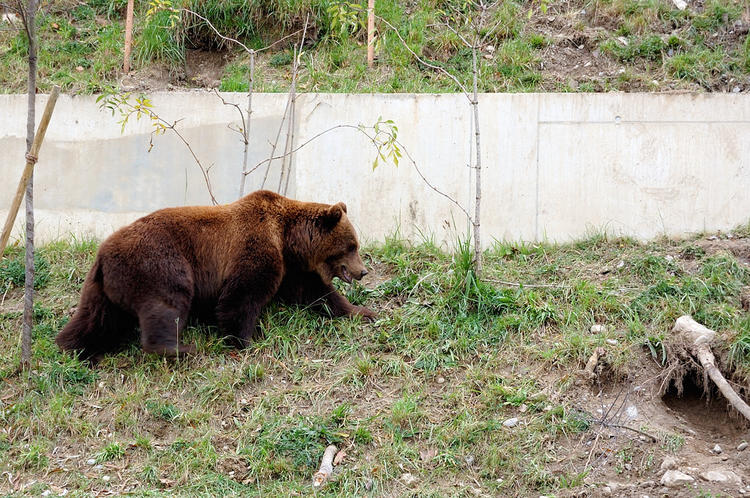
(708, 417)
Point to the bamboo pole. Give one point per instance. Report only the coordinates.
(370, 32)
(31, 158)
(128, 37)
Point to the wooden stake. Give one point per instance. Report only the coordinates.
(370, 32)
(30, 161)
(128, 37)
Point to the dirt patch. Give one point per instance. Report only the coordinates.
(739, 248)
(204, 68)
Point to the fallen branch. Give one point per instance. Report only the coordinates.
(699, 337)
(326, 468)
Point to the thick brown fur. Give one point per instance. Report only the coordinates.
(225, 261)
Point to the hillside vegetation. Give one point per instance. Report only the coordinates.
(554, 45)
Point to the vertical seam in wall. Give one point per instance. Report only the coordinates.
(536, 201)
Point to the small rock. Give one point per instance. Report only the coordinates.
(106, 478)
(620, 265)
(628, 467)
(523, 408)
(648, 484)
(742, 446)
(79, 69)
(669, 258)
(511, 422)
(91, 461)
(441, 380)
(622, 40)
(736, 89)
(408, 478)
(675, 478)
(47, 493)
(98, 467)
(721, 476)
(717, 449)
(669, 463)
(606, 490)
(631, 412)
(597, 328)
(611, 342)
(680, 4)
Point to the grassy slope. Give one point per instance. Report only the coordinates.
(423, 391)
(579, 45)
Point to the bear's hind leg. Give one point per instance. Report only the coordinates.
(161, 327)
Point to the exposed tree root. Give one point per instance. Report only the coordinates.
(697, 338)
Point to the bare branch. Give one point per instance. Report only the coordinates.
(424, 62)
(234, 40)
(242, 114)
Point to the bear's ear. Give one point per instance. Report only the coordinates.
(342, 206)
(331, 216)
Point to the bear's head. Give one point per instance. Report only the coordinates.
(337, 247)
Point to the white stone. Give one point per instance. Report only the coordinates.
(597, 328)
(742, 446)
(511, 422)
(675, 478)
(717, 449)
(680, 4)
(91, 461)
(669, 463)
(722, 476)
(631, 412)
(408, 478)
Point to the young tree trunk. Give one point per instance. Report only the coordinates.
(28, 301)
(477, 171)
(250, 82)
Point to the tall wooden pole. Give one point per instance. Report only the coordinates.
(370, 32)
(128, 37)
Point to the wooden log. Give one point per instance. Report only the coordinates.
(31, 159)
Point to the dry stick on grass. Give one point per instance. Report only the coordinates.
(698, 338)
(326, 468)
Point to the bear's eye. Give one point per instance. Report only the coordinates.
(352, 247)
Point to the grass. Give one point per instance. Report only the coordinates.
(449, 359)
(696, 49)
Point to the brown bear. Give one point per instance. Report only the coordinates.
(223, 262)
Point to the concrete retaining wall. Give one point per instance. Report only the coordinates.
(555, 166)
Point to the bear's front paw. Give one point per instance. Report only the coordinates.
(365, 313)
